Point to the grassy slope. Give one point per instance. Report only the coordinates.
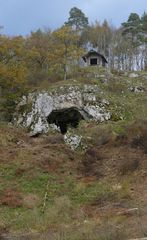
(45, 186)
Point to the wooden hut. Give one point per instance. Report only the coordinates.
(93, 58)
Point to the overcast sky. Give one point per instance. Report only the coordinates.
(21, 16)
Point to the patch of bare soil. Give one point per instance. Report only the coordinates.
(11, 198)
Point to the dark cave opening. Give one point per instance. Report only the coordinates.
(64, 118)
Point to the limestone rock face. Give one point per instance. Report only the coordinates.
(72, 140)
(35, 109)
(137, 89)
(133, 75)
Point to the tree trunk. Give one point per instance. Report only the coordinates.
(65, 73)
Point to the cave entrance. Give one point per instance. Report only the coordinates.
(64, 118)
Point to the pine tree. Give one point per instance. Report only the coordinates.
(77, 19)
(132, 29)
(144, 26)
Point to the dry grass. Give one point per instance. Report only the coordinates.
(129, 164)
(11, 198)
(91, 162)
(86, 186)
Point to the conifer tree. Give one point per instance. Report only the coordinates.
(77, 19)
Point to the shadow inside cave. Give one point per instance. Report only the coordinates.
(66, 117)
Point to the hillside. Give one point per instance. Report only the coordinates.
(98, 191)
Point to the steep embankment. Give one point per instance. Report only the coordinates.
(45, 186)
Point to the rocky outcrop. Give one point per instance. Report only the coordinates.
(133, 75)
(61, 107)
(137, 89)
(73, 140)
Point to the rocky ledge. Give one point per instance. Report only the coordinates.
(61, 108)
